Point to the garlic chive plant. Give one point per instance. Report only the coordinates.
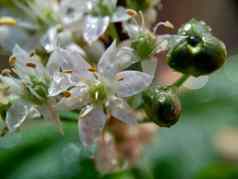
(108, 88)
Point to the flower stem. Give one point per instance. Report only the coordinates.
(69, 116)
(181, 80)
(113, 32)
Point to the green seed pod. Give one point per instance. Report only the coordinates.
(200, 53)
(144, 45)
(162, 106)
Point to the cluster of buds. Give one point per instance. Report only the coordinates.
(81, 64)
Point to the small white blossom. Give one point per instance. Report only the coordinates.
(101, 92)
(34, 89)
(92, 17)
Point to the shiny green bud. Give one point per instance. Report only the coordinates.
(200, 53)
(162, 106)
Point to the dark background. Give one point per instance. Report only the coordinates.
(221, 15)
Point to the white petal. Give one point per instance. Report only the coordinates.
(75, 47)
(105, 65)
(124, 58)
(115, 60)
(131, 29)
(71, 11)
(95, 27)
(168, 41)
(131, 83)
(60, 83)
(13, 84)
(39, 70)
(79, 98)
(149, 66)
(69, 60)
(22, 59)
(20, 54)
(17, 114)
(49, 40)
(95, 51)
(122, 111)
(49, 112)
(91, 123)
(120, 15)
(196, 83)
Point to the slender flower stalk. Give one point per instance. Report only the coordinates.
(181, 81)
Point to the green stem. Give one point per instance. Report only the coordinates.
(112, 31)
(181, 80)
(69, 116)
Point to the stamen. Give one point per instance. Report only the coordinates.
(12, 60)
(119, 77)
(14, 70)
(68, 71)
(31, 65)
(66, 94)
(8, 21)
(142, 19)
(6, 72)
(131, 12)
(93, 69)
(165, 24)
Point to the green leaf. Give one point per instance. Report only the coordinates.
(42, 152)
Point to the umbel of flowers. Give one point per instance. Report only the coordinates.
(80, 62)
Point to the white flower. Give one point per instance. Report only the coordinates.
(92, 17)
(101, 91)
(54, 39)
(34, 89)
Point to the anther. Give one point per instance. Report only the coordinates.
(119, 77)
(8, 21)
(66, 94)
(6, 72)
(12, 60)
(92, 69)
(31, 65)
(131, 12)
(68, 71)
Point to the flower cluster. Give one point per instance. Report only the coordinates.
(79, 62)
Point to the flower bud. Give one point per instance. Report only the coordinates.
(144, 45)
(200, 53)
(162, 106)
